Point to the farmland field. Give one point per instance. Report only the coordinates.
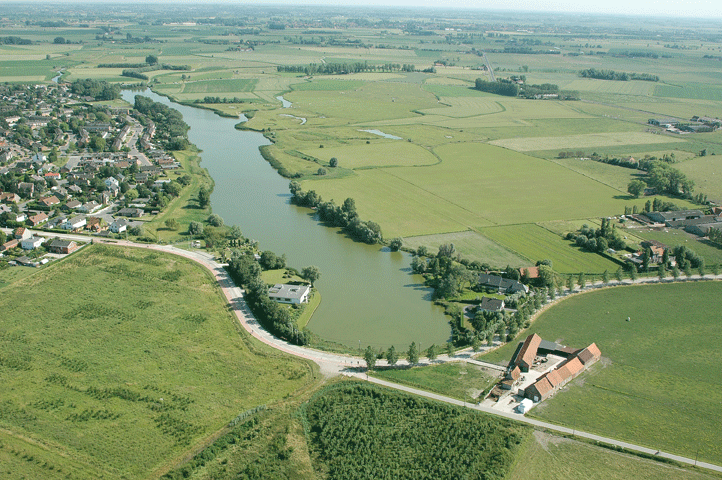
(471, 245)
(220, 86)
(548, 457)
(537, 243)
(657, 379)
(138, 362)
(590, 140)
(711, 253)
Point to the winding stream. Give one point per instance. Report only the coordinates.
(368, 295)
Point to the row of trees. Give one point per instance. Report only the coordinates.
(506, 88)
(344, 216)
(620, 76)
(343, 68)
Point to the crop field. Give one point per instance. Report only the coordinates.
(471, 245)
(537, 243)
(548, 457)
(329, 85)
(137, 362)
(691, 91)
(657, 380)
(460, 380)
(590, 140)
(607, 86)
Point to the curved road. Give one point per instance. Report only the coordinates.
(334, 364)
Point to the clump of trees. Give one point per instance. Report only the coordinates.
(98, 89)
(171, 129)
(598, 240)
(344, 216)
(349, 423)
(500, 87)
(620, 76)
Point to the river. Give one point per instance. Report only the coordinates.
(368, 295)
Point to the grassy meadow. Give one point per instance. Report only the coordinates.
(137, 363)
(656, 382)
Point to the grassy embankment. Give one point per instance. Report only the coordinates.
(118, 362)
(655, 385)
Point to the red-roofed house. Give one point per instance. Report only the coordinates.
(36, 220)
(533, 272)
(49, 201)
(527, 354)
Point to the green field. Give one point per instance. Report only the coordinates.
(460, 380)
(711, 253)
(470, 245)
(537, 243)
(137, 363)
(548, 457)
(220, 86)
(656, 383)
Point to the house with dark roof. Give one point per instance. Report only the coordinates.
(502, 285)
(664, 217)
(63, 246)
(589, 355)
(491, 304)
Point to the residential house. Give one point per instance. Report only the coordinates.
(73, 205)
(63, 246)
(502, 285)
(96, 224)
(9, 244)
(36, 220)
(8, 197)
(32, 243)
(74, 224)
(22, 233)
(49, 201)
(18, 217)
(491, 304)
(120, 225)
(130, 212)
(27, 187)
(89, 207)
(284, 293)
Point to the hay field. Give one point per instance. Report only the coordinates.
(589, 140)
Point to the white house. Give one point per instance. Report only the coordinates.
(119, 226)
(284, 293)
(89, 207)
(32, 243)
(524, 406)
(111, 181)
(75, 223)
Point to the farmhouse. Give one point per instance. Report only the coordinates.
(502, 285)
(284, 293)
(664, 217)
(525, 357)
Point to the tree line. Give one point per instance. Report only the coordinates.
(170, 126)
(98, 89)
(619, 76)
(344, 216)
(343, 68)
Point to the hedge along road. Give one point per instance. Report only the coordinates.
(332, 364)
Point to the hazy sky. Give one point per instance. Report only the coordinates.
(683, 8)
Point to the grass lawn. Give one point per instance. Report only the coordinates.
(13, 274)
(471, 245)
(704, 171)
(137, 362)
(658, 378)
(460, 380)
(184, 208)
(591, 140)
(548, 457)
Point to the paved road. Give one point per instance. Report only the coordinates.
(334, 364)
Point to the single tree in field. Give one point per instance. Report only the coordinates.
(619, 274)
(701, 267)
(413, 354)
(570, 282)
(171, 224)
(311, 273)
(581, 281)
(204, 197)
(605, 277)
(333, 163)
(396, 244)
(675, 272)
(475, 343)
(370, 357)
(715, 269)
(431, 352)
(195, 228)
(449, 349)
(235, 232)
(391, 356)
(636, 187)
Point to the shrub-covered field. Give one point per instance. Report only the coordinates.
(360, 431)
(118, 360)
(657, 381)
